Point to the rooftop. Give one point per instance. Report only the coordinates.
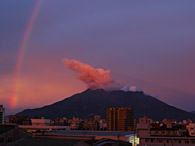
(45, 142)
(6, 128)
(85, 132)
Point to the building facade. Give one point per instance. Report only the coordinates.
(167, 133)
(120, 119)
(41, 122)
(2, 114)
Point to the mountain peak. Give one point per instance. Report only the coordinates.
(91, 91)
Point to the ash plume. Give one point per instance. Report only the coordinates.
(94, 78)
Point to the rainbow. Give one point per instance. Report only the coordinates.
(22, 48)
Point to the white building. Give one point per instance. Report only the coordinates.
(41, 122)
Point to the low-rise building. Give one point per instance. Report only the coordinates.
(42, 128)
(191, 129)
(160, 134)
(102, 142)
(41, 122)
(18, 120)
(11, 133)
(61, 122)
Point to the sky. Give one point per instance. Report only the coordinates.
(147, 44)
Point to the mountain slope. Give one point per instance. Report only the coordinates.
(95, 102)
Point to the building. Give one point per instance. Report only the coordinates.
(115, 135)
(191, 129)
(18, 120)
(2, 114)
(41, 125)
(102, 124)
(97, 118)
(42, 128)
(44, 140)
(11, 133)
(41, 122)
(167, 133)
(102, 142)
(120, 119)
(61, 122)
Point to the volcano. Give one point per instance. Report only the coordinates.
(96, 102)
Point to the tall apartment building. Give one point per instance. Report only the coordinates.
(2, 114)
(120, 119)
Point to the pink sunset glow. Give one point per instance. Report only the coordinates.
(148, 46)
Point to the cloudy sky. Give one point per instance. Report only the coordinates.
(147, 44)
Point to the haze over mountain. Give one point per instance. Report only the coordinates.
(96, 102)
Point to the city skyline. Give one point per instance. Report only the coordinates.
(149, 45)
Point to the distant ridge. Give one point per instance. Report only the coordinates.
(95, 102)
(193, 112)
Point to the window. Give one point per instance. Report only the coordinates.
(147, 140)
(160, 141)
(193, 141)
(186, 141)
(1, 140)
(9, 139)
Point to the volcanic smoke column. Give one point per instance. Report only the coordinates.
(94, 78)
